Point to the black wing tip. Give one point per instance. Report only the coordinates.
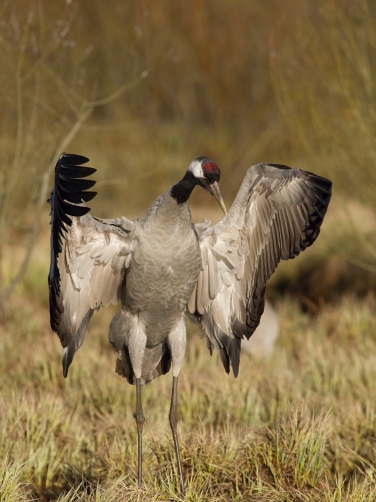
(72, 162)
(323, 184)
(65, 364)
(68, 194)
(72, 159)
(230, 352)
(70, 189)
(323, 189)
(322, 195)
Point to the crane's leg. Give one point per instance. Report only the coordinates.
(127, 335)
(176, 342)
(173, 416)
(140, 419)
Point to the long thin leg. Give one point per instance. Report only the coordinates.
(140, 419)
(173, 416)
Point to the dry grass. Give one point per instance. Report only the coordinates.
(223, 79)
(299, 427)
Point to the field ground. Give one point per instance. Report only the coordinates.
(299, 427)
(292, 84)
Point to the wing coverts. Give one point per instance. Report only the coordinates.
(69, 189)
(88, 256)
(276, 214)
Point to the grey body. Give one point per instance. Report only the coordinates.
(160, 266)
(160, 278)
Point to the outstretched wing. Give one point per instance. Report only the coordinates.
(277, 214)
(88, 256)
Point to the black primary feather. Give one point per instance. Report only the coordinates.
(69, 189)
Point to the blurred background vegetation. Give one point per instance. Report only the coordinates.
(142, 88)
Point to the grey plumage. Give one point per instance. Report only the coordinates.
(161, 265)
(277, 214)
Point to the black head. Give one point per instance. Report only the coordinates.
(205, 171)
(207, 174)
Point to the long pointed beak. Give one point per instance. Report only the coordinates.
(214, 190)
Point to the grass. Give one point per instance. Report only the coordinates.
(299, 427)
(293, 85)
(12, 489)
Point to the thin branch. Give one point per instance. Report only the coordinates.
(81, 108)
(29, 245)
(53, 112)
(119, 92)
(135, 179)
(70, 96)
(32, 122)
(23, 267)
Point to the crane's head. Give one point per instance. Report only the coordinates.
(207, 174)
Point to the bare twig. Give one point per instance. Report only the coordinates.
(31, 107)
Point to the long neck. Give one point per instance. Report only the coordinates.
(182, 190)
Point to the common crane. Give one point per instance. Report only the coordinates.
(161, 265)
